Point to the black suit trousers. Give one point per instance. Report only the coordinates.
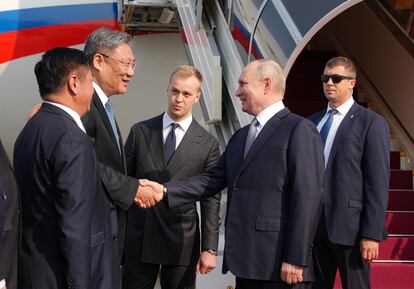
(329, 257)
(242, 283)
(139, 275)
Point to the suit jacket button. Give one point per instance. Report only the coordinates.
(4, 195)
(115, 238)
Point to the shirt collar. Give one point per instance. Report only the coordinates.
(102, 95)
(269, 112)
(71, 112)
(343, 108)
(184, 124)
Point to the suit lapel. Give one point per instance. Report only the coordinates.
(349, 118)
(316, 118)
(102, 112)
(153, 138)
(268, 130)
(184, 150)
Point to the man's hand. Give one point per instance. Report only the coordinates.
(369, 249)
(31, 113)
(291, 274)
(206, 263)
(146, 196)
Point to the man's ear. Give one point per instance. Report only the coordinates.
(97, 62)
(352, 84)
(198, 97)
(267, 81)
(73, 84)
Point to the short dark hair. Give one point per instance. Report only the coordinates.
(347, 63)
(55, 66)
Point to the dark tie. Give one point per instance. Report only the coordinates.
(110, 114)
(170, 142)
(327, 126)
(251, 136)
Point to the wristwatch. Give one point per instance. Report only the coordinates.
(211, 251)
(164, 189)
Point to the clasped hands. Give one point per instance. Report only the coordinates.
(148, 194)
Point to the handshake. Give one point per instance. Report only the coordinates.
(148, 194)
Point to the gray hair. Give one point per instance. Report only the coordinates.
(270, 68)
(104, 38)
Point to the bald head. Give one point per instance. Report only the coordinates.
(261, 84)
(267, 68)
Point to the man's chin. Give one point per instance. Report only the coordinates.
(122, 90)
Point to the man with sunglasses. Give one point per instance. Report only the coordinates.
(356, 149)
(112, 65)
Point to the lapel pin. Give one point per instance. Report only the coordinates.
(352, 116)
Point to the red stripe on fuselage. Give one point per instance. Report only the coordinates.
(20, 43)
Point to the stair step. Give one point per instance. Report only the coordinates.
(388, 276)
(400, 223)
(401, 180)
(401, 200)
(397, 248)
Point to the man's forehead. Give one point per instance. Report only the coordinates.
(336, 68)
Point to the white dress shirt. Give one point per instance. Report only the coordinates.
(71, 112)
(267, 114)
(2, 283)
(336, 121)
(102, 95)
(180, 131)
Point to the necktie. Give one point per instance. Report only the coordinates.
(251, 136)
(110, 114)
(170, 142)
(327, 126)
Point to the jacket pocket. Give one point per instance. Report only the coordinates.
(97, 239)
(355, 204)
(270, 224)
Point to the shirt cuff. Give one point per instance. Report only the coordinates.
(2, 283)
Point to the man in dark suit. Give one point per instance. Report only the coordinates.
(2, 209)
(356, 148)
(165, 237)
(273, 171)
(68, 223)
(112, 65)
(9, 234)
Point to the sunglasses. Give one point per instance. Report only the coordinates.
(335, 78)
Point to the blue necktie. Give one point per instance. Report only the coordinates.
(110, 114)
(327, 126)
(251, 135)
(170, 143)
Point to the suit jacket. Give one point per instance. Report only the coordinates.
(121, 188)
(357, 177)
(274, 197)
(2, 217)
(68, 222)
(9, 235)
(170, 236)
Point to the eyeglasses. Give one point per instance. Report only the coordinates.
(335, 78)
(125, 64)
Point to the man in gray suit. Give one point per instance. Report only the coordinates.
(167, 147)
